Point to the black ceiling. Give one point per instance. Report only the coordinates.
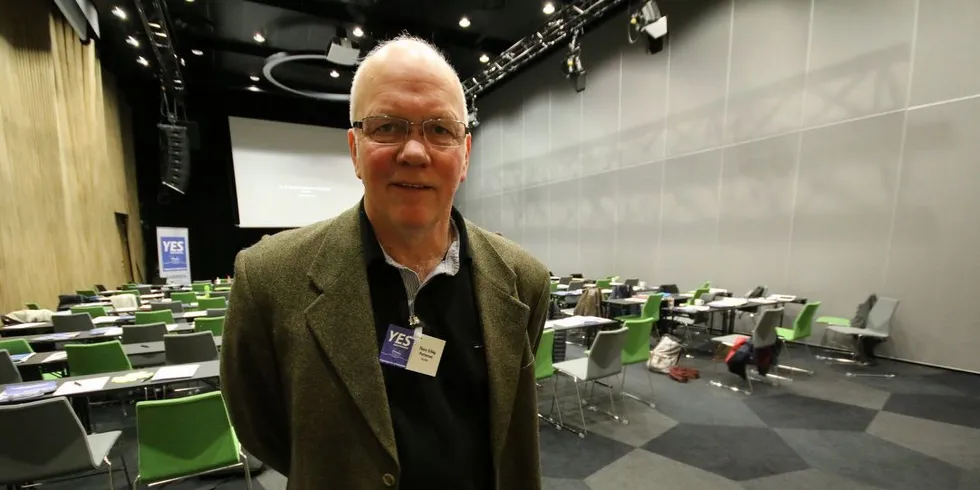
(223, 30)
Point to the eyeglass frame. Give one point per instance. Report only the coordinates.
(359, 124)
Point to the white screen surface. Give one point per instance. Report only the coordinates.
(289, 175)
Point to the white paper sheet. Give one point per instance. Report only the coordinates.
(593, 319)
(56, 356)
(23, 325)
(81, 386)
(111, 331)
(175, 372)
(102, 320)
(172, 326)
(195, 314)
(568, 322)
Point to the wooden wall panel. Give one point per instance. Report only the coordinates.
(66, 162)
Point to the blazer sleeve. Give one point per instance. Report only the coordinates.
(539, 315)
(250, 380)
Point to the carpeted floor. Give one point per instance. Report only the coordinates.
(919, 430)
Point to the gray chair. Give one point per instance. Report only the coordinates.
(576, 285)
(65, 450)
(148, 332)
(144, 289)
(191, 347)
(763, 335)
(879, 327)
(8, 371)
(174, 306)
(632, 282)
(565, 280)
(217, 311)
(73, 322)
(604, 360)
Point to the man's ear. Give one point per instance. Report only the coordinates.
(466, 158)
(352, 144)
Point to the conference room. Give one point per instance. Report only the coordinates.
(754, 215)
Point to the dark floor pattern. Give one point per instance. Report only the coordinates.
(920, 430)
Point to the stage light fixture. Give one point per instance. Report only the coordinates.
(484, 58)
(473, 118)
(650, 21)
(464, 22)
(197, 52)
(258, 37)
(132, 41)
(548, 8)
(357, 31)
(253, 88)
(119, 12)
(572, 65)
(254, 78)
(334, 74)
(143, 61)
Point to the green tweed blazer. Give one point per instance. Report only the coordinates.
(299, 359)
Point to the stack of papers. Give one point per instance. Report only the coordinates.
(58, 336)
(132, 377)
(81, 386)
(195, 314)
(107, 331)
(24, 391)
(56, 356)
(17, 358)
(101, 320)
(175, 372)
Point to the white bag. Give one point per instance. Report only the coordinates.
(665, 355)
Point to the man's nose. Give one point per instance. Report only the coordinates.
(414, 151)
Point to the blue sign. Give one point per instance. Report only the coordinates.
(173, 253)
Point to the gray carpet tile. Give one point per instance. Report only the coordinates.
(833, 388)
(906, 385)
(566, 455)
(698, 403)
(643, 424)
(969, 481)
(868, 459)
(965, 383)
(952, 443)
(737, 453)
(641, 469)
(801, 412)
(810, 479)
(548, 483)
(959, 410)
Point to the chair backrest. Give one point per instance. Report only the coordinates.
(124, 300)
(62, 450)
(669, 288)
(576, 285)
(544, 357)
(221, 294)
(880, 318)
(147, 332)
(144, 289)
(803, 325)
(100, 287)
(213, 324)
(764, 333)
(102, 357)
(190, 347)
(577, 275)
(212, 312)
(173, 306)
(605, 356)
(632, 282)
(32, 306)
(205, 303)
(75, 322)
(698, 293)
(565, 280)
(603, 283)
(636, 348)
(202, 441)
(86, 292)
(8, 371)
(757, 292)
(93, 311)
(651, 309)
(16, 346)
(201, 288)
(164, 316)
(183, 296)
(554, 287)
(705, 285)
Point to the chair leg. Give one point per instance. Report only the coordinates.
(248, 471)
(109, 464)
(581, 412)
(554, 396)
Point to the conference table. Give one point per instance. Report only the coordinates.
(106, 333)
(35, 329)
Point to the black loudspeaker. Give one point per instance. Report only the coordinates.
(175, 168)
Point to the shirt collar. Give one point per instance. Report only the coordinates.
(374, 253)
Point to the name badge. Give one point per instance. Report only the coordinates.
(410, 350)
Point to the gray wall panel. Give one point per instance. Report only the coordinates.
(537, 222)
(563, 248)
(597, 225)
(638, 220)
(537, 127)
(600, 103)
(947, 61)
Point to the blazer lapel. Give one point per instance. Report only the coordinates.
(504, 319)
(342, 322)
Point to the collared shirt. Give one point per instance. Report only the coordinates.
(441, 423)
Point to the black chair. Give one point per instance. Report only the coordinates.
(191, 347)
(100, 288)
(632, 282)
(174, 306)
(577, 275)
(148, 332)
(217, 311)
(8, 371)
(669, 288)
(74, 322)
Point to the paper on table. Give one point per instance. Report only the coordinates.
(195, 314)
(568, 322)
(593, 319)
(132, 377)
(56, 356)
(172, 326)
(108, 331)
(125, 309)
(23, 325)
(101, 320)
(175, 372)
(58, 336)
(18, 358)
(81, 386)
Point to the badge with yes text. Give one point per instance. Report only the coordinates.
(405, 349)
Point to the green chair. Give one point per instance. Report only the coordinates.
(802, 328)
(184, 297)
(636, 349)
(93, 311)
(836, 321)
(222, 288)
(201, 288)
(102, 357)
(20, 346)
(651, 310)
(554, 287)
(201, 442)
(216, 302)
(156, 316)
(213, 324)
(32, 306)
(705, 285)
(544, 369)
(86, 292)
(603, 284)
(698, 293)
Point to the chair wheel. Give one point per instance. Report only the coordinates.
(581, 435)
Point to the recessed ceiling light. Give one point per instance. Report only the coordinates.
(259, 38)
(143, 61)
(484, 58)
(197, 52)
(549, 8)
(254, 78)
(153, 25)
(464, 22)
(119, 12)
(189, 1)
(132, 41)
(357, 32)
(253, 88)
(334, 74)
(182, 62)
(161, 34)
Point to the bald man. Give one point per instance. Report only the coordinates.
(393, 345)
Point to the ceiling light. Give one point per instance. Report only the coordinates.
(119, 12)
(484, 58)
(334, 74)
(357, 32)
(161, 34)
(549, 8)
(189, 1)
(259, 38)
(143, 61)
(197, 52)
(132, 41)
(254, 78)
(153, 25)
(464, 22)
(182, 62)
(253, 88)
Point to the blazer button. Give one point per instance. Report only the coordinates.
(388, 479)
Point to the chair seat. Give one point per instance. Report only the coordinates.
(576, 368)
(857, 331)
(789, 334)
(101, 444)
(627, 318)
(835, 320)
(729, 340)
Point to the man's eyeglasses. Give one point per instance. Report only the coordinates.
(388, 130)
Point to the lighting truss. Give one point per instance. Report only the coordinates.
(563, 23)
(154, 17)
